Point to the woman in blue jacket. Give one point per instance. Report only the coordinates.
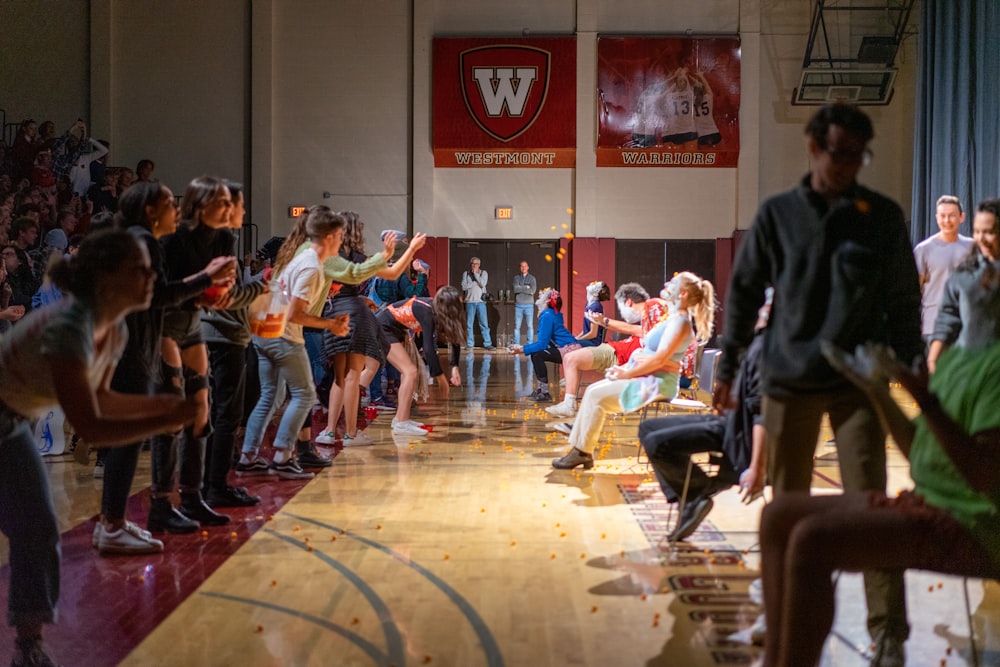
(553, 341)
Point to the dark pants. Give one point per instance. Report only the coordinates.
(131, 377)
(186, 447)
(228, 376)
(792, 424)
(669, 443)
(538, 360)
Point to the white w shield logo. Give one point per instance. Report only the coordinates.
(505, 87)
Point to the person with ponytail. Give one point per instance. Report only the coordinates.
(148, 212)
(301, 277)
(652, 371)
(65, 354)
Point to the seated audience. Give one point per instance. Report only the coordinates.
(651, 373)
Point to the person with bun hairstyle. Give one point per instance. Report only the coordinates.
(64, 355)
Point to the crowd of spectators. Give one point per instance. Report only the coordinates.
(52, 188)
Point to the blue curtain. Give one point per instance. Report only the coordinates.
(958, 109)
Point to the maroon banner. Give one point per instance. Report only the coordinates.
(504, 102)
(668, 101)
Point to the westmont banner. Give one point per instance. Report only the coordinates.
(668, 101)
(505, 102)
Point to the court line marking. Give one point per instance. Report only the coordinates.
(490, 648)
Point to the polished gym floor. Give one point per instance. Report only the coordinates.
(462, 549)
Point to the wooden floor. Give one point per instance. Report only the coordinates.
(464, 549)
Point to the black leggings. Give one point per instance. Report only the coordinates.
(538, 360)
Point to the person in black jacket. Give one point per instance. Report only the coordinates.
(148, 211)
(839, 258)
(739, 434)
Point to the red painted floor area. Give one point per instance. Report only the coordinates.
(108, 605)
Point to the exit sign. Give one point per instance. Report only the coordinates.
(504, 213)
(296, 211)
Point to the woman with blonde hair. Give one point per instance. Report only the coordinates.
(651, 374)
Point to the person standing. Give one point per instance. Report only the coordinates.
(525, 287)
(839, 258)
(474, 284)
(936, 258)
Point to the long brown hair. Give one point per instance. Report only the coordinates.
(314, 224)
(354, 234)
(449, 315)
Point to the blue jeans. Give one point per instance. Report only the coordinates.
(471, 311)
(280, 359)
(317, 359)
(28, 519)
(524, 311)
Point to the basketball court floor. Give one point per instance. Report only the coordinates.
(463, 549)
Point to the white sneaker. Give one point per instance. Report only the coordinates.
(327, 438)
(129, 539)
(563, 428)
(407, 427)
(359, 440)
(563, 409)
(133, 528)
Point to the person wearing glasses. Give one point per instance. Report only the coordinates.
(839, 258)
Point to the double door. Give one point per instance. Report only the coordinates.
(502, 260)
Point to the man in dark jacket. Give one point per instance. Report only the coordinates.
(838, 256)
(739, 435)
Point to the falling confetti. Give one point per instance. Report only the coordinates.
(565, 226)
(548, 258)
(569, 211)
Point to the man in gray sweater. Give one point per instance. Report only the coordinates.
(524, 303)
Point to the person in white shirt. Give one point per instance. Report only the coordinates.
(937, 256)
(301, 278)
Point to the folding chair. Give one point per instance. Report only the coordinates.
(706, 364)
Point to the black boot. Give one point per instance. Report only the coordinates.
(229, 496)
(163, 516)
(193, 507)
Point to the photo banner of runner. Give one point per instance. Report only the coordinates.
(668, 101)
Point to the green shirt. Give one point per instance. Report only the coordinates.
(966, 383)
